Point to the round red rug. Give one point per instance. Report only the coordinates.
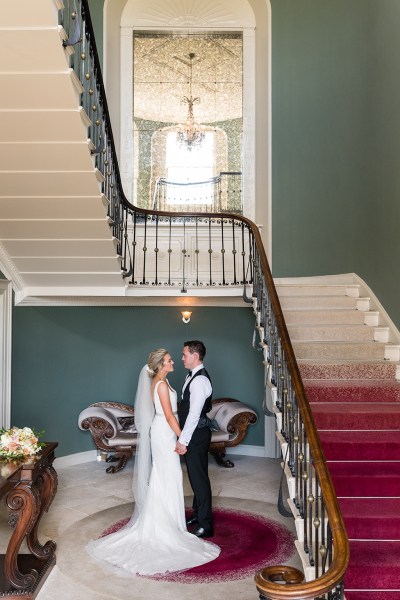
(248, 542)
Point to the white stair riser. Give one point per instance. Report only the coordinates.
(326, 302)
(26, 13)
(325, 317)
(317, 290)
(338, 333)
(51, 91)
(40, 59)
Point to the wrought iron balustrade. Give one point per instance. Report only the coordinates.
(149, 242)
(197, 250)
(313, 500)
(222, 193)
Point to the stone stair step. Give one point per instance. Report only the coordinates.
(376, 391)
(326, 302)
(329, 317)
(351, 369)
(293, 289)
(339, 332)
(345, 416)
(347, 350)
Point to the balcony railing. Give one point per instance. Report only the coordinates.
(222, 193)
(166, 248)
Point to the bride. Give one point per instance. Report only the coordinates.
(156, 539)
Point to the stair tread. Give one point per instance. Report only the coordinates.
(347, 416)
(366, 507)
(359, 408)
(337, 325)
(323, 316)
(372, 595)
(347, 384)
(312, 290)
(371, 518)
(366, 479)
(324, 369)
(367, 469)
(371, 391)
(345, 343)
(373, 565)
(360, 445)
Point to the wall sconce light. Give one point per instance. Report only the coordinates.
(186, 314)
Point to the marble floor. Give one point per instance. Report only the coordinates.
(88, 500)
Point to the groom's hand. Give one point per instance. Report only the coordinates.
(180, 448)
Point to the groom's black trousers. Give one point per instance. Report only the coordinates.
(197, 466)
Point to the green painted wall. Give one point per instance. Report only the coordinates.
(65, 358)
(384, 244)
(336, 142)
(96, 15)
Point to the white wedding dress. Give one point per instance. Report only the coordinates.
(158, 541)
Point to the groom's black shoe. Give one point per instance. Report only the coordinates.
(192, 520)
(203, 533)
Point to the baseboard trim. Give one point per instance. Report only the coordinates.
(75, 459)
(91, 455)
(247, 450)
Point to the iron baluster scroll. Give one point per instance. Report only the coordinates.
(186, 249)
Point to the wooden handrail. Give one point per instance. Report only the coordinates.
(336, 572)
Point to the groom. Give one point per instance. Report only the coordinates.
(195, 438)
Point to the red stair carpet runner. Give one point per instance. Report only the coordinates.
(358, 419)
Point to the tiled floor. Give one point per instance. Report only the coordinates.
(88, 499)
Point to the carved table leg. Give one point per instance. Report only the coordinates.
(24, 503)
(122, 458)
(47, 486)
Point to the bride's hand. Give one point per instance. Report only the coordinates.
(180, 448)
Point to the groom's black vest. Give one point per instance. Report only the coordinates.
(184, 405)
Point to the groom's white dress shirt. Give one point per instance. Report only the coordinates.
(200, 389)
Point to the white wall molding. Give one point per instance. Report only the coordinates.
(188, 13)
(79, 458)
(5, 352)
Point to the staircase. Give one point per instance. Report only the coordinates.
(66, 232)
(54, 232)
(348, 354)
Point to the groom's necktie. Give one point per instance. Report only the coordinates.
(190, 373)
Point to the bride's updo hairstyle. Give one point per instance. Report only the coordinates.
(155, 361)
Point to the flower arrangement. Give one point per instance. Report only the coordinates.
(16, 443)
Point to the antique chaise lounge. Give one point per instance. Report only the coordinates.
(112, 426)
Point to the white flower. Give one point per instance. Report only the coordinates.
(17, 443)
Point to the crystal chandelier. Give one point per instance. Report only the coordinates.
(190, 133)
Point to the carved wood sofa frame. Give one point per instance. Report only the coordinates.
(112, 427)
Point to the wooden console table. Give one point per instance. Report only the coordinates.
(29, 488)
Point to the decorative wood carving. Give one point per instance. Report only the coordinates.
(29, 488)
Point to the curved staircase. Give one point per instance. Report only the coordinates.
(348, 353)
